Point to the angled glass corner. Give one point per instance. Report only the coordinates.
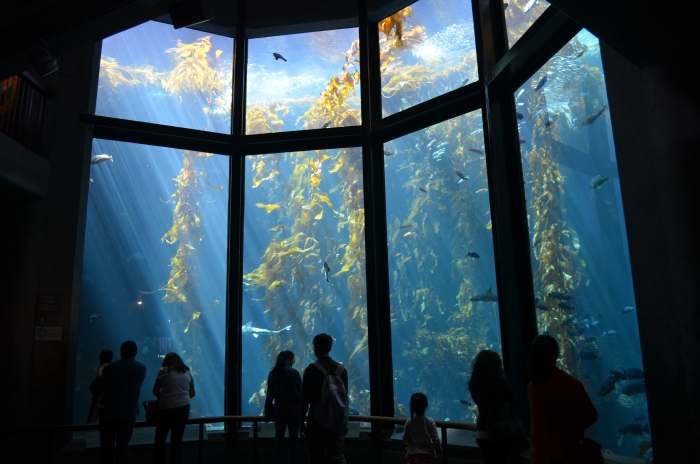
(303, 81)
(425, 50)
(441, 263)
(156, 74)
(520, 15)
(581, 271)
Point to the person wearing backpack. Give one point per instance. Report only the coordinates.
(325, 390)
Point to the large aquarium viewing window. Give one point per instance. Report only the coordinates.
(426, 49)
(303, 81)
(582, 274)
(177, 77)
(304, 266)
(444, 308)
(154, 267)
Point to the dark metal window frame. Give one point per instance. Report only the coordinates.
(501, 72)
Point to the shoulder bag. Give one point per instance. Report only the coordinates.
(151, 407)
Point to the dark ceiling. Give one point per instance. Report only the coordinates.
(644, 32)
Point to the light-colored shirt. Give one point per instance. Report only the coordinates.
(421, 437)
(175, 388)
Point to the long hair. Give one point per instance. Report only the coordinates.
(419, 403)
(282, 359)
(175, 363)
(487, 369)
(542, 358)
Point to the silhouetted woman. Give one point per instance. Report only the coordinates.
(284, 389)
(487, 385)
(560, 409)
(97, 386)
(174, 387)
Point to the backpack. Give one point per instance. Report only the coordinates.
(331, 410)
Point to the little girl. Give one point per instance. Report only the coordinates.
(420, 433)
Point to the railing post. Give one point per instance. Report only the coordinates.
(201, 443)
(255, 442)
(445, 458)
(49, 445)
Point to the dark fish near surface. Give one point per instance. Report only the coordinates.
(461, 176)
(568, 320)
(606, 387)
(475, 150)
(488, 296)
(587, 355)
(95, 317)
(640, 418)
(101, 159)
(519, 116)
(559, 296)
(542, 307)
(522, 141)
(389, 152)
(326, 270)
(618, 375)
(590, 119)
(635, 374)
(565, 306)
(598, 180)
(634, 388)
(325, 126)
(465, 82)
(473, 254)
(633, 428)
(541, 83)
(278, 57)
(465, 403)
(406, 226)
(422, 190)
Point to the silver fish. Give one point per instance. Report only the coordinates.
(95, 317)
(529, 5)
(101, 159)
(248, 329)
(590, 119)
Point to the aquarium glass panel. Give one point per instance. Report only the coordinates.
(304, 266)
(442, 274)
(177, 77)
(520, 14)
(426, 49)
(581, 267)
(154, 267)
(303, 81)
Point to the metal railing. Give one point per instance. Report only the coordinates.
(231, 421)
(22, 101)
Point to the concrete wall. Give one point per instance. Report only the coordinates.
(42, 252)
(656, 121)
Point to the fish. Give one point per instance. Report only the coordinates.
(559, 296)
(522, 141)
(406, 226)
(505, 6)
(442, 145)
(278, 57)
(473, 254)
(101, 159)
(587, 355)
(483, 190)
(519, 116)
(92, 180)
(542, 307)
(461, 176)
(598, 180)
(398, 255)
(488, 296)
(206, 110)
(422, 190)
(95, 317)
(342, 245)
(542, 81)
(529, 5)
(248, 329)
(465, 403)
(618, 375)
(325, 125)
(438, 153)
(465, 82)
(627, 309)
(595, 323)
(606, 386)
(326, 270)
(590, 119)
(635, 374)
(589, 339)
(568, 320)
(353, 412)
(475, 150)
(522, 91)
(432, 142)
(580, 54)
(565, 306)
(633, 428)
(407, 234)
(634, 388)
(218, 53)
(609, 332)
(640, 418)
(389, 152)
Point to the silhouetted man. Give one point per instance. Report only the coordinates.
(327, 425)
(122, 384)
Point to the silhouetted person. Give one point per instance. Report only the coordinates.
(284, 388)
(122, 381)
(488, 385)
(174, 387)
(560, 409)
(97, 386)
(326, 426)
(420, 433)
